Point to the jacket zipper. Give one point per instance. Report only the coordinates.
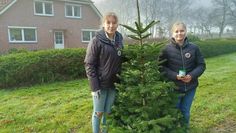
(182, 57)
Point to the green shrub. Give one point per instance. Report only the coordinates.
(21, 69)
(15, 50)
(215, 47)
(193, 38)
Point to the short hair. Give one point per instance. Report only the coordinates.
(177, 24)
(109, 14)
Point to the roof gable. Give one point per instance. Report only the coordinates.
(5, 4)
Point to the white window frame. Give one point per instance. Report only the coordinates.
(44, 9)
(73, 9)
(89, 30)
(22, 34)
(62, 45)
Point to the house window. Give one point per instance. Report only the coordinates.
(44, 8)
(73, 10)
(59, 37)
(22, 34)
(87, 35)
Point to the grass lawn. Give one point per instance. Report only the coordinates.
(66, 106)
(54, 108)
(214, 105)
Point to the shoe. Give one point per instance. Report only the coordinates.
(104, 129)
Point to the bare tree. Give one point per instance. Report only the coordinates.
(232, 20)
(125, 9)
(151, 10)
(232, 8)
(174, 10)
(220, 13)
(166, 11)
(202, 19)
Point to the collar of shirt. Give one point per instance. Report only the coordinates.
(112, 40)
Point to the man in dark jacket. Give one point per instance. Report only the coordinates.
(102, 64)
(183, 64)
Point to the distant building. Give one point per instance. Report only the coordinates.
(47, 24)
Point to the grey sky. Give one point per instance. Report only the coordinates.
(199, 2)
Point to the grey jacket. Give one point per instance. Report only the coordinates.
(187, 57)
(103, 60)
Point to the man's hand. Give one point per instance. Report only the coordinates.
(96, 94)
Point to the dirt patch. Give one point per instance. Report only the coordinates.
(228, 126)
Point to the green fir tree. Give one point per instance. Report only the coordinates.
(145, 103)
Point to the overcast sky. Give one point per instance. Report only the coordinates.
(199, 2)
(204, 2)
(97, 1)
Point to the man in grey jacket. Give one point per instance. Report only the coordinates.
(183, 65)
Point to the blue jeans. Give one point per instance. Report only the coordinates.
(184, 104)
(102, 104)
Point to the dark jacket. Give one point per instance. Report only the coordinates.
(187, 57)
(103, 60)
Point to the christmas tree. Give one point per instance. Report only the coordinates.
(145, 102)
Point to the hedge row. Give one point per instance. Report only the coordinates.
(215, 47)
(28, 68)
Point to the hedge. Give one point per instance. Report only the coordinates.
(29, 68)
(215, 47)
(209, 47)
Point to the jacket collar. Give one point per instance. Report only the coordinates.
(186, 42)
(101, 35)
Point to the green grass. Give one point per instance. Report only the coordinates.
(216, 95)
(59, 107)
(67, 106)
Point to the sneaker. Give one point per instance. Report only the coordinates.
(104, 129)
